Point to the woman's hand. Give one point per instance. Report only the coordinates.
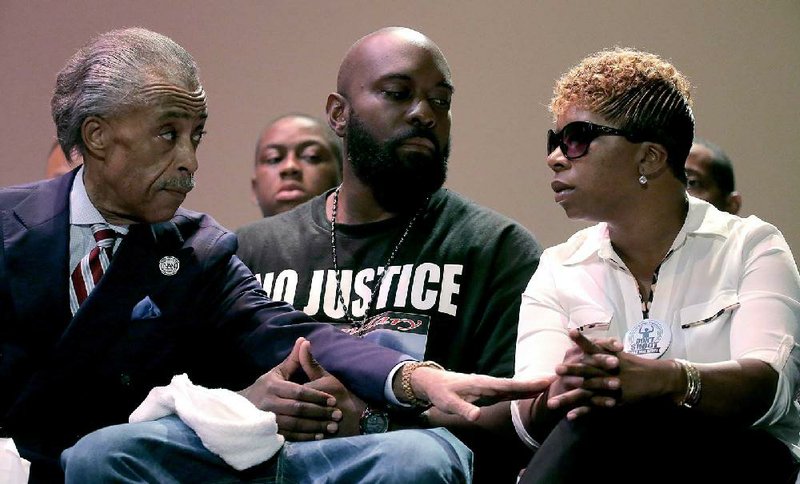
(588, 377)
(645, 379)
(605, 376)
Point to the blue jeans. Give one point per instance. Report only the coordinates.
(168, 451)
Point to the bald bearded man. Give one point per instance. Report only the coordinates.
(395, 258)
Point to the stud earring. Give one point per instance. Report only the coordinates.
(642, 180)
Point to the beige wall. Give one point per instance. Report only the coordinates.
(261, 59)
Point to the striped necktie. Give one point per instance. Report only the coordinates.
(91, 268)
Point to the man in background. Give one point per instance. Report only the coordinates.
(297, 158)
(57, 162)
(710, 176)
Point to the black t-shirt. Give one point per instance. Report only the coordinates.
(451, 294)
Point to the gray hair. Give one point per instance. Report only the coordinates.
(105, 76)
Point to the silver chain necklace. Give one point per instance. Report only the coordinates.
(347, 313)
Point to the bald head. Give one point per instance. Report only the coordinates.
(392, 108)
(370, 51)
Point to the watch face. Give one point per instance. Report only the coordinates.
(374, 422)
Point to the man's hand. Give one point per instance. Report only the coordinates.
(452, 392)
(302, 412)
(349, 406)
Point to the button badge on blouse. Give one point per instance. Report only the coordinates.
(649, 339)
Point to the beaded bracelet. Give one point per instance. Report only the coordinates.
(405, 380)
(694, 384)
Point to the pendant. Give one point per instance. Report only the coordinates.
(648, 339)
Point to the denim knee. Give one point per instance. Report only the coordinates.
(95, 457)
(399, 457)
(435, 455)
(130, 452)
(163, 451)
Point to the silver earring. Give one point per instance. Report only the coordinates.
(642, 180)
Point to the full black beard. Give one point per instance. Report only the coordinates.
(399, 182)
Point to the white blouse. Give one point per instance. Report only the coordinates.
(729, 290)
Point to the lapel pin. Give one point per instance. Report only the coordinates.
(169, 265)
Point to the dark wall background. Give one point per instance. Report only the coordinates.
(261, 59)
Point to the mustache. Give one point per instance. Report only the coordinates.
(182, 183)
(417, 133)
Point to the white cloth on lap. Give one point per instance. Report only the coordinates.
(13, 468)
(227, 423)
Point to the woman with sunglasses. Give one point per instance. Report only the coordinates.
(672, 327)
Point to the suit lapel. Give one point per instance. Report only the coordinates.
(132, 275)
(36, 238)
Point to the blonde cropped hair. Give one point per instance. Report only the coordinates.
(637, 91)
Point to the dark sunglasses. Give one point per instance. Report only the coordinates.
(574, 139)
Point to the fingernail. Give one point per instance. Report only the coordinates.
(318, 437)
(613, 384)
(336, 415)
(332, 427)
(610, 403)
(331, 402)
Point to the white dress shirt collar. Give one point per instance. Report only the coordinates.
(597, 243)
(82, 211)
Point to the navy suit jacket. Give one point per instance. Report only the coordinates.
(62, 377)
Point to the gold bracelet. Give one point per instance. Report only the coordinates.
(693, 384)
(405, 380)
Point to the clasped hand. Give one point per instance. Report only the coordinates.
(311, 411)
(597, 373)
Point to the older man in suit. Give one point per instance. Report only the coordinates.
(108, 287)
